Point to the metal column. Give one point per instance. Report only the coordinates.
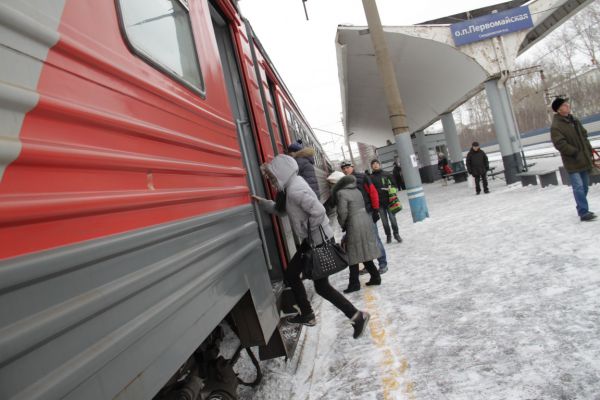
(427, 171)
(453, 144)
(408, 160)
(505, 129)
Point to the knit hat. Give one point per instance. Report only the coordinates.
(557, 102)
(294, 147)
(475, 144)
(373, 161)
(345, 164)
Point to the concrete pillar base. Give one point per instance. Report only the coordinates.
(457, 167)
(512, 164)
(418, 205)
(429, 174)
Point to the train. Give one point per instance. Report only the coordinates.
(132, 136)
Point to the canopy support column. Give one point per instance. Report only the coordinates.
(506, 130)
(406, 154)
(454, 149)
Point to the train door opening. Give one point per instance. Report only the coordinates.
(237, 100)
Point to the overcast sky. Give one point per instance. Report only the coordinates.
(304, 51)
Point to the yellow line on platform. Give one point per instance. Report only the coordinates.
(393, 366)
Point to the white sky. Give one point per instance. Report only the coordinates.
(304, 51)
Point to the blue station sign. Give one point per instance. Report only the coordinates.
(487, 26)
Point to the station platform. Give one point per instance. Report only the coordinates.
(495, 296)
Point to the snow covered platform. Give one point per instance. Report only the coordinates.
(495, 296)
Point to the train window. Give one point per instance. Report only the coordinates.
(160, 32)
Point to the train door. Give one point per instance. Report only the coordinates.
(250, 152)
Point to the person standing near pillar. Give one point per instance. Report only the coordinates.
(570, 139)
(371, 199)
(382, 182)
(397, 173)
(444, 168)
(478, 165)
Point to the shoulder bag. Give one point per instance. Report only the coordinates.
(324, 259)
(394, 204)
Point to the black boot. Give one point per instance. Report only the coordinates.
(352, 288)
(375, 276)
(389, 239)
(397, 237)
(359, 322)
(304, 319)
(353, 283)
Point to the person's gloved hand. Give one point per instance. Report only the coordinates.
(375, 215)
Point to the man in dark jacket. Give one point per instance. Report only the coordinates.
(371, 199)
(478, 165)
(570, 139)
(398, 177)
(305, 157)
(382, 181)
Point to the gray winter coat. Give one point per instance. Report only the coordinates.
(301, 202)
(352, 216)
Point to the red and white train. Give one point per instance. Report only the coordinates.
(131, 134)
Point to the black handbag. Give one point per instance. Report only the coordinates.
(324, 259)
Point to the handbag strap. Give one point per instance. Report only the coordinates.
(321, 230)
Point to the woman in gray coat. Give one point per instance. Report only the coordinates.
(361, 245)
(303, 208)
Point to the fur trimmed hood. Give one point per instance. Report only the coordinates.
(307, 152)
(347, 182)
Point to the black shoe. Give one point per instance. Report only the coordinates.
(590, 216)
(360, 321)
(373, 282)
(478, 193)
(308, 319)
(486, 191)
(397, 237)
(352, 288)
(389, 239)
(383, 270)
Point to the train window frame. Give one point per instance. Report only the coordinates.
(156, 64)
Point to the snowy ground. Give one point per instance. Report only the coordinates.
(494, 296)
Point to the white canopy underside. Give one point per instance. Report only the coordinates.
(434, 77)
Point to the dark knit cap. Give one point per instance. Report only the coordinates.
(294, 147)
(557, 102)
(475, 144)
(373, 161)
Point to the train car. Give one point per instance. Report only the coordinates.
(132, 134)
(294, 127)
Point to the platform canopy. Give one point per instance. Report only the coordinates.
(434, 76)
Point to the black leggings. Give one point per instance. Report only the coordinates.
(322, 287)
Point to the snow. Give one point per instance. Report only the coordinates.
(495, 296)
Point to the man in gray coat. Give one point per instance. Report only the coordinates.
(570, 139)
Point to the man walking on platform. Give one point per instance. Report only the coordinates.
(371, 199)
(478, 165)
(570, 139)
(382, 182)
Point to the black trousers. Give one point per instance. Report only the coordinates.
(322, 287)
(478, 178)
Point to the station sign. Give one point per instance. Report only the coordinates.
(488, 26)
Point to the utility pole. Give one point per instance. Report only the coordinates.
(406, 154)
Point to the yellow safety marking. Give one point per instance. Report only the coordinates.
(394, 366)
